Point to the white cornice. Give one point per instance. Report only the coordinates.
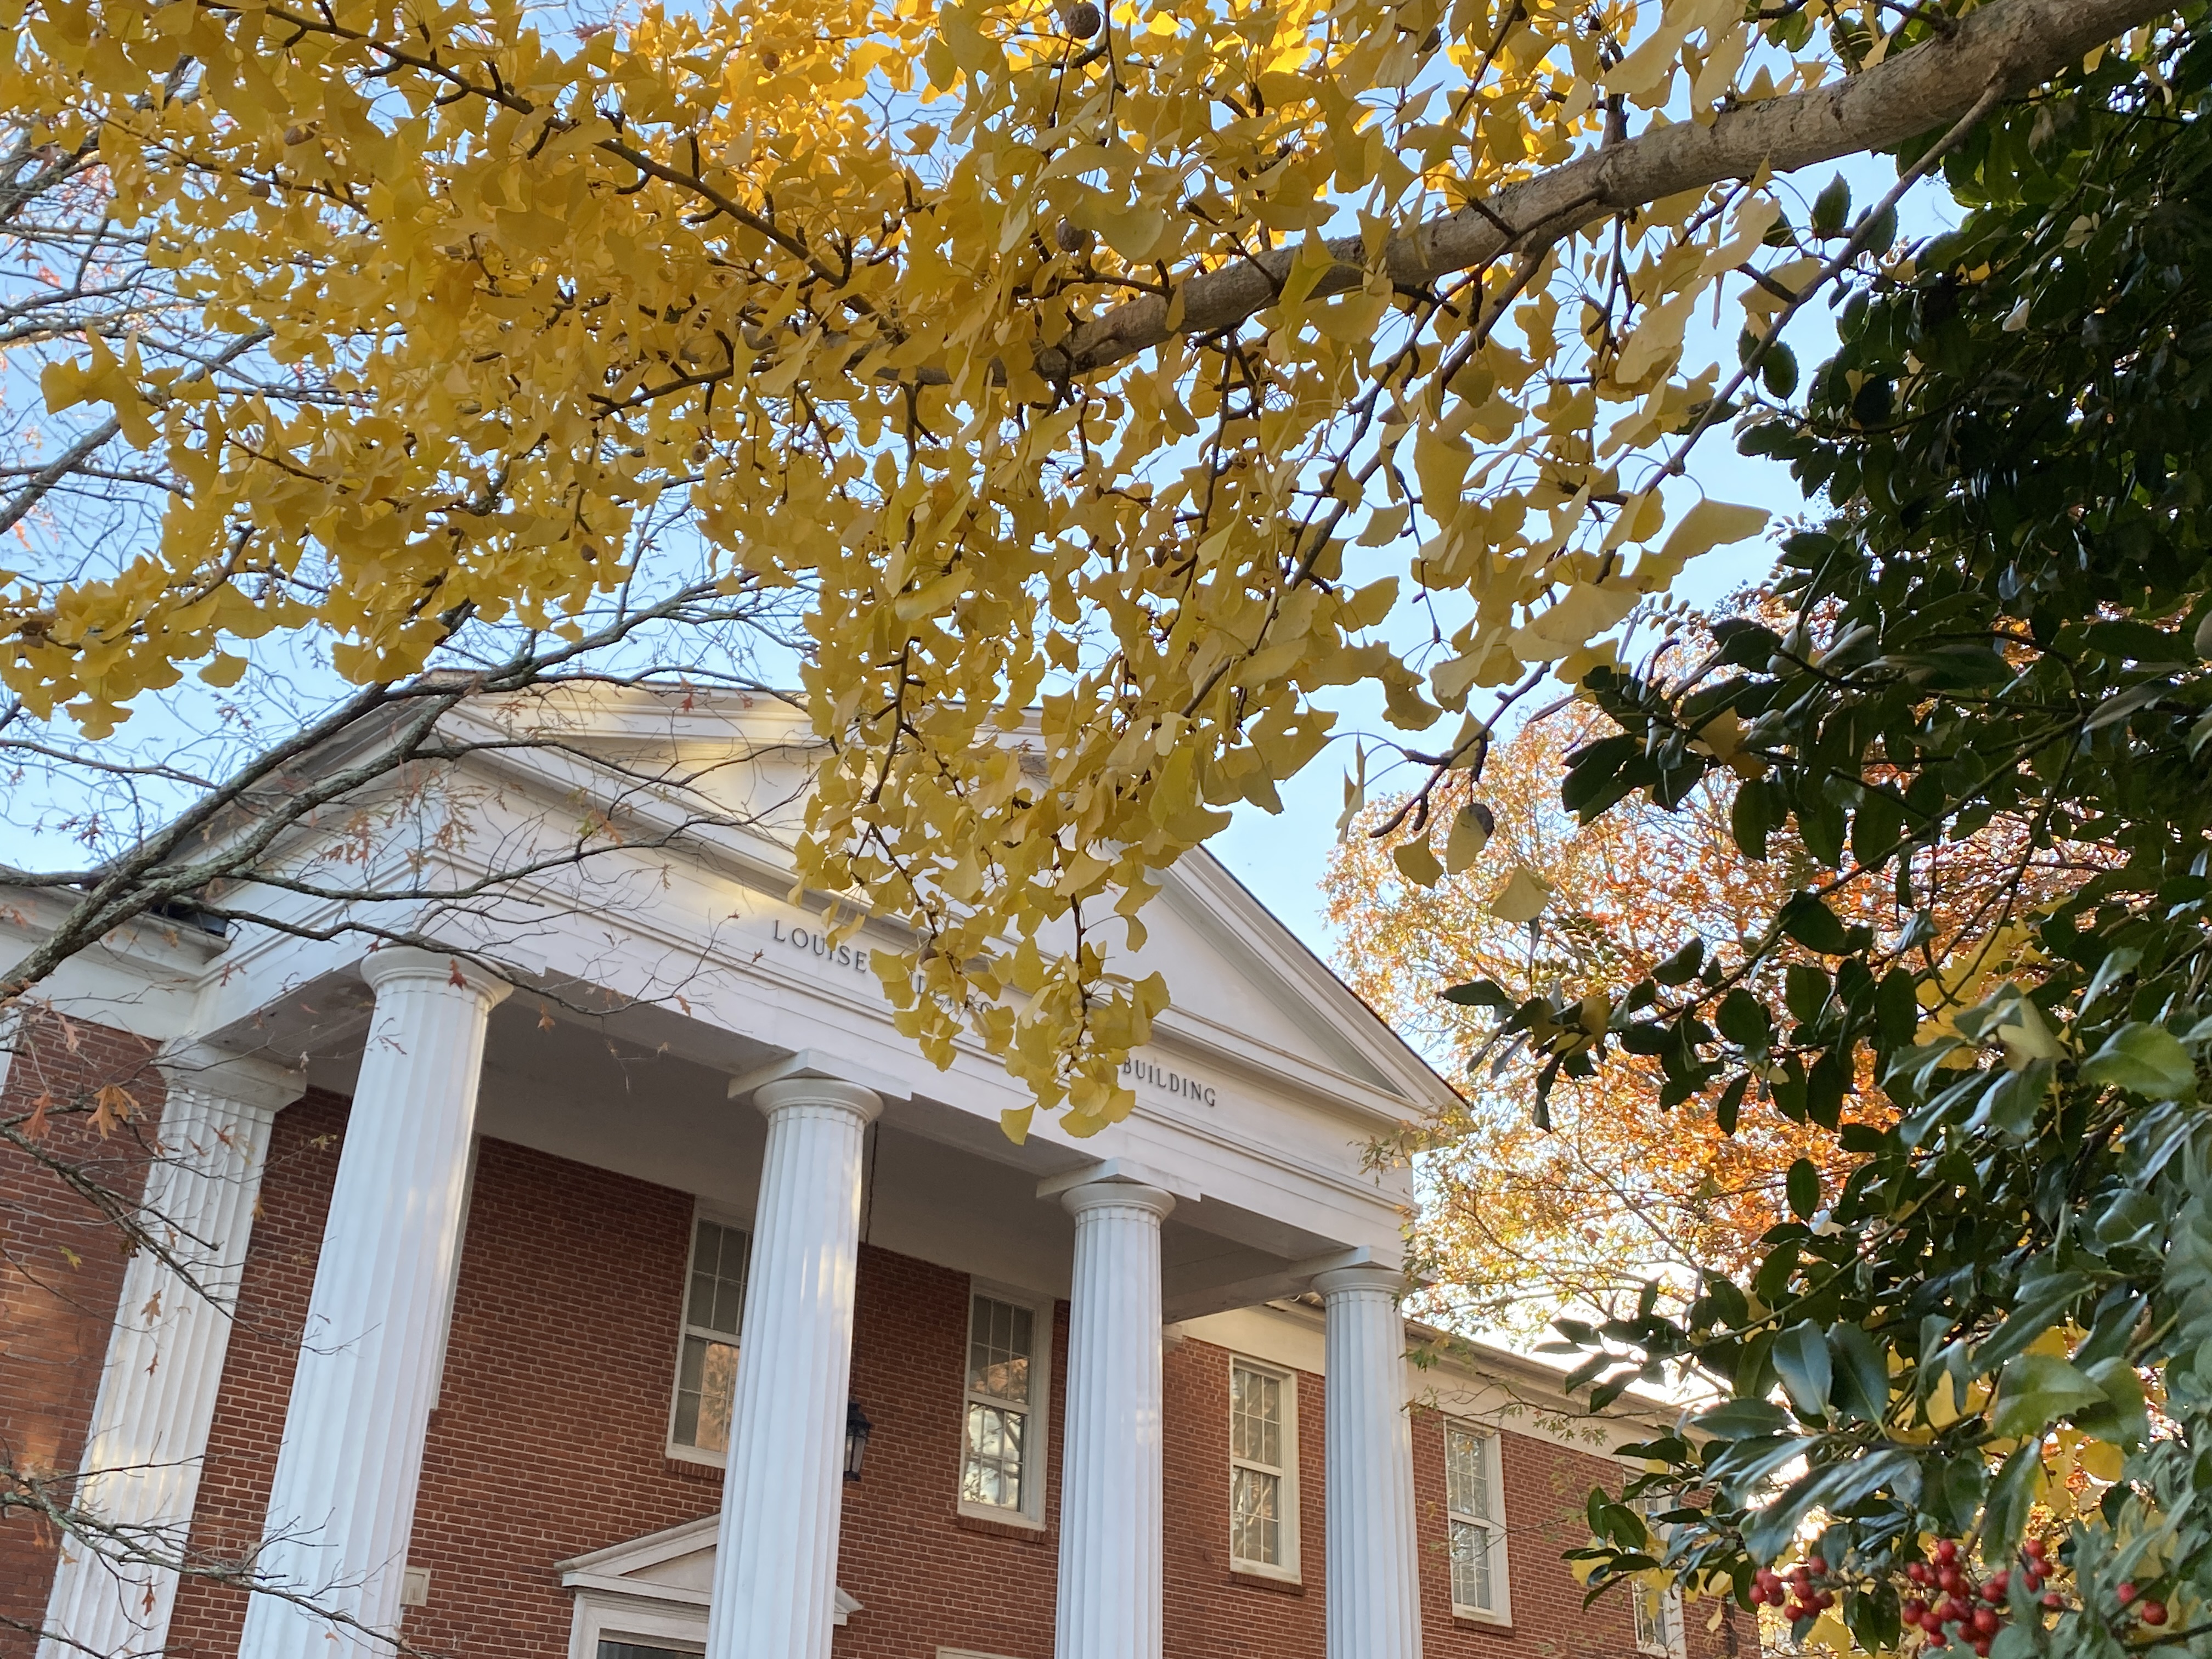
(153, 944)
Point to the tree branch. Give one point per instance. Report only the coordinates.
(2011, 44)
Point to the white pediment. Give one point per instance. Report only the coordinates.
(1247, 992)
(675, 1565)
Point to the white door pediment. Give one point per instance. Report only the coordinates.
(652, 1589)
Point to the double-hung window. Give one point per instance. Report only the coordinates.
(1476, 1516)
(707, 1364)
(1263, 1456)
(1658, 1612)
(1002, 1450)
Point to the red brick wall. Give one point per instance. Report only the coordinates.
(548, 1439)
(61, 1268)
(548, 1443)
(1546, 1486)
(1213, 1611)
(924, 1575)
(1546, 1490)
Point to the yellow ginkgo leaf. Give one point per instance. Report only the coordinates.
(1705, 526)
(1417, 863)
(1470, 832)
(1523, 896)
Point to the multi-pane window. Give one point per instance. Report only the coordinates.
(999, 1453)
(706, 1369)
(1478, 1536)
(1262, 1451)
(1658, 1612)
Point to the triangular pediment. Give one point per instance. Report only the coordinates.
(676, 1564)
(1246, 990)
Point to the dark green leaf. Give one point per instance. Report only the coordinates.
(1831, 207)
(1813, 924)
(1743, 1019)
(1861, 1370)
(1804, 1185)
(2146, 1060)
(1800, 1357)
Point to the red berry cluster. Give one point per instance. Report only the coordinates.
(1960, 1610)
(1798, 1596)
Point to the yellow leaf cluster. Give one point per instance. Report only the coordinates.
(478, 299)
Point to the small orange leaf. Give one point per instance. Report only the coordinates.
(111, 1106)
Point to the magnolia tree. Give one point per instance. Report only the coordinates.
(1965, 1384)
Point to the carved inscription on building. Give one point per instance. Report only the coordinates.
(1151, 1076)
(809, 941)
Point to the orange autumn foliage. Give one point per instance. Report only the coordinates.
(1517, 1223)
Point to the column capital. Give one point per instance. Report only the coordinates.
(1124, 1194)
(1365, 1276)
(255, 1081)
(824, 1094)
(396, 962)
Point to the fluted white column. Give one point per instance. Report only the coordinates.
(157, 1390)
(1111, 1471)
(344, 1502)
(1374, 1609)
(776, 1557)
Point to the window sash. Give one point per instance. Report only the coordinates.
(1261, 1432)
(997, 1445)
(1472, 1553)
(1467, 1473)
(1472, 1521)
(706, 1351)
(1658, 1620)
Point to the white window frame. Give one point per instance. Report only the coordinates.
(1036, 1455)
(599, 1617)
(1661, 1607)
(1501, 1588)
(1289, 1569)
(720, 1217)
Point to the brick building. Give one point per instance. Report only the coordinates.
(616, 1282)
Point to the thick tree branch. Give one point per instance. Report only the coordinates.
(2011, 45)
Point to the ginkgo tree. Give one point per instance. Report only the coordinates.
(1132, 362)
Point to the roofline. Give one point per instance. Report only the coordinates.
(1334, 980)
(1487, 1357)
